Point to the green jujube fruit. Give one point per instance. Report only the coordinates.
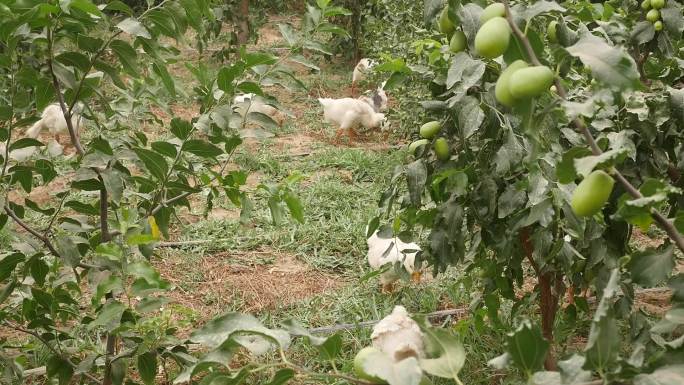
(552, 31)
(502, 90)
(491, 11)
(646, 5)
(592, 193)
(413, 147)
(658, 4)
(458, 42)
(446, 26)
(653, 15)
(492, 39)
(430, 129)
(441, 149)
(529, 82)
(360, 360)
(658, 25)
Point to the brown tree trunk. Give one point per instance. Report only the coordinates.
(548, 300)
(243, 22)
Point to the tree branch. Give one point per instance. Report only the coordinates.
(41, 237)
(51, 348)
(60, 97)
(662, 221)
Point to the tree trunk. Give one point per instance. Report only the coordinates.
(548, 300)
(243, 22)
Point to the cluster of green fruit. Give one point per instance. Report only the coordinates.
(653, 15)
(458, 40)
(521, 82)
(428, 131)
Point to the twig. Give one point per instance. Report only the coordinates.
(662, 221)
(51, 348)
(41, 237)
(60, 97)
(364, 324)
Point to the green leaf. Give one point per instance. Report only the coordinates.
(672, 17)
(74, 59)
(465, 71)
(288, 33)
(147, 367)
(117, 5)
(134, 27)
(282, 376)
(538, 8)
(316, 46)
(571, 370)
(181, 128)
(86, 6)
(565, 170)
(109, 317)
(651, 267)
(68, 250)
(416, 177)
(167, 80)
(126, 55)
(164, 148)
(8, 263)
(155, 163)
(331, 347)
(219, 329)
(25, 142)
(295, 206)
(451, 358)
(114, 184)
(469, 15)
(201, 148)
(254, 59)
(665, 375)
(603, 344)
(336, 11)
(642, 32)
(222, 355)
(527, 348)
(470, 116)
(44, 93)
(58, 368)
(587, 164)
(404, 372)
(611, 65)
(226, 76)
(34, 206)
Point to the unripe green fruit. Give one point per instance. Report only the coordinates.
(530, 82)
(502, 90)
(491, 11)
(658, 25)
(430, 129)
(658, 4)
(552, 31)
(441, 149)
(413, 147)
(653, 15)
(458, 42)
(646, 5)
(592, 193)
(446, 26)
(493, 37)
(362, 356)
